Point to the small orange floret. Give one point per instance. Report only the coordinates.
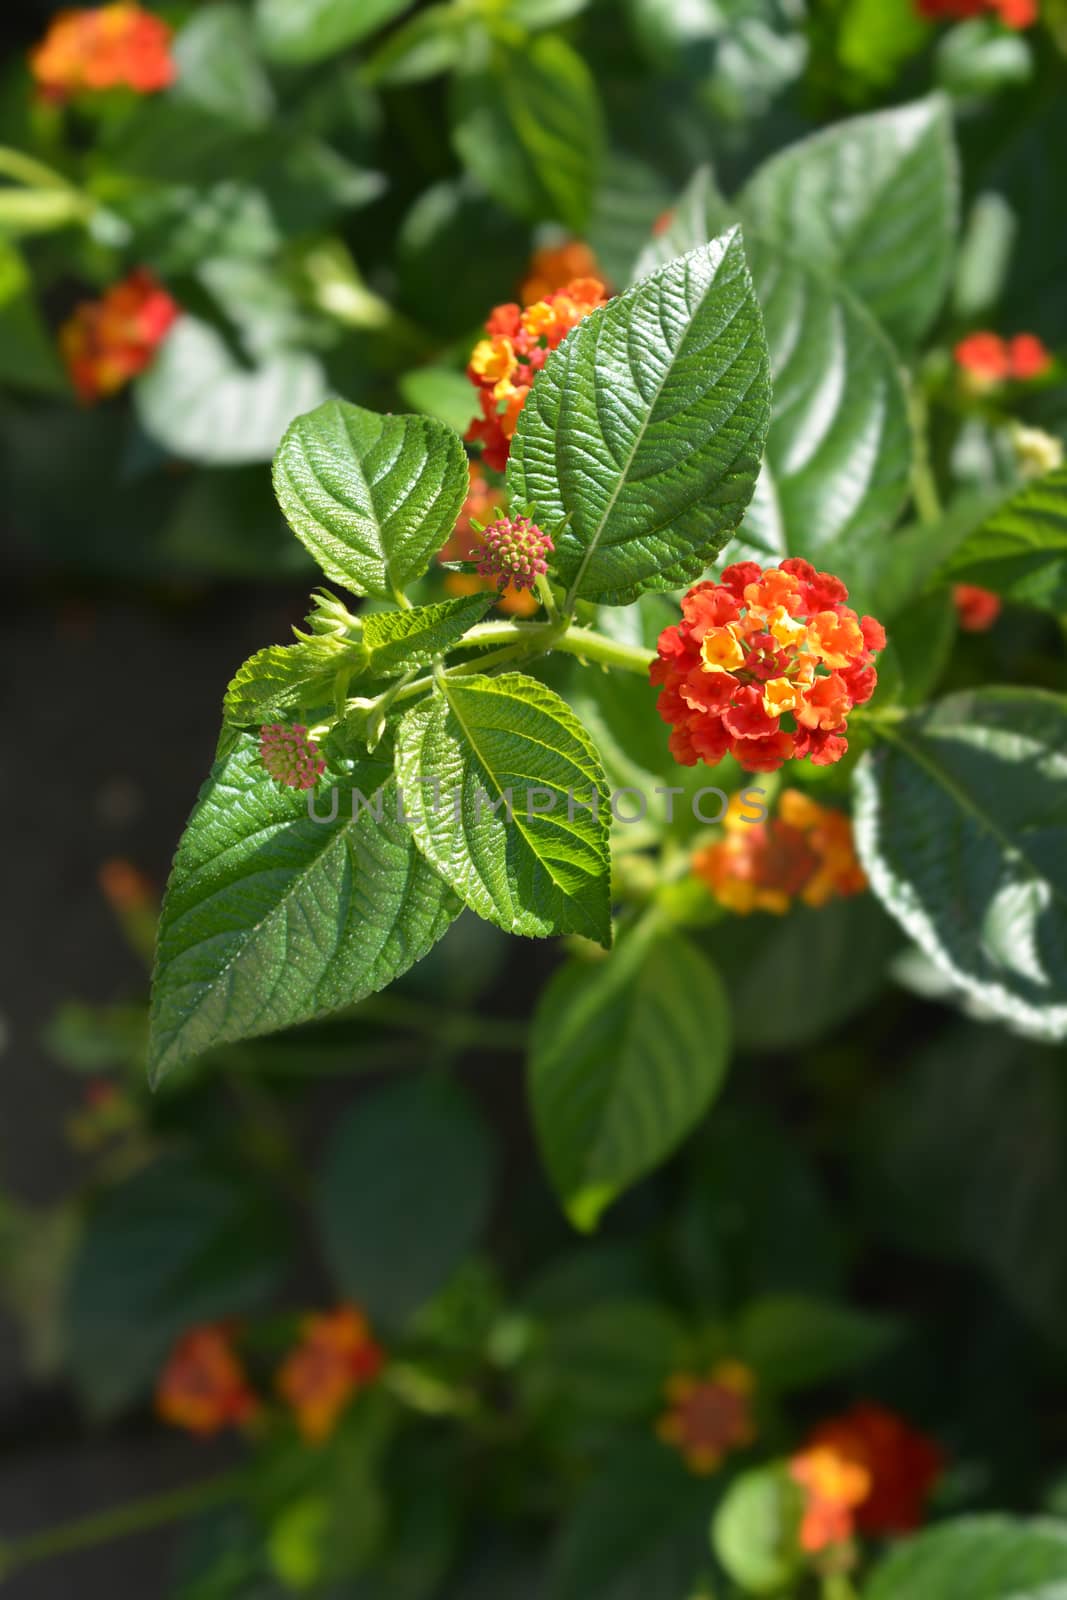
(504, 365)
(986, 360)
(976, 609)
(803, 853)
(203, 1387)
(336, 1357)
(554, 266)
(757, 648)
(109, 341)
(867, 1470)
(709, 1417)
(110, 47)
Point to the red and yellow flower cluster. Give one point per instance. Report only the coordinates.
(986, 360)
(556, 265)
(109, 341)
(204, 1388)
(483, 504)
(504, 365)
(109, 47)
(709, 1417)
(336, 1357)
(1013, 13)
(867, 1471)
(757, 648)
(805, 852)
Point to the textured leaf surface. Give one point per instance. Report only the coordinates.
(543, 871)
(977, 1558)
(283, 677)
(272, 918)
(176, 1244)
(303, 31)
(961, 825)
(403, 1194)
(372, 497)
(874, 201)
(645, 428)
(626, 1057)
(397, 641)
(1021, 550)
(528, 126)
(198, 401)
(838, 456)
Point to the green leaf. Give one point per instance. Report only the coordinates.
(176, 1244)
(440, 392)
(700, 213)
(961, 826)
(976, 1558)
(838, 459)
(545, 868)
(527, 124)
(199, 402)
(875, 38)
(638, 1530)
(609, 1359)
(792, 1342)
(219, 69)
(536, 14)
(626, 1056)
(372, 497)
(873, 200)
(28, 355)
(1021, 550)
(938, 1146)
(272, 918)
(645, 428)
(399, 641)
(284, 677)
(755, 1530)
(805, 959)
(431, 42)
(404, 1194)
(299, 32)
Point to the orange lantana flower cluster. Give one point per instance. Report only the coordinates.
(109, 341)
(554, 266)
(336, 1357)
(803, 853)
(710, 1416)
(765, 665)
(109, 47)
(867, 1471)
(504, 365)
(1013, 13)
(203, 1387)
(976, 609)
(987, 360)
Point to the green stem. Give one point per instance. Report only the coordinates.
(460, 1028)
(24, 169)
(837, 1586)
(118, 1521)
(540, 637)
(923, 483)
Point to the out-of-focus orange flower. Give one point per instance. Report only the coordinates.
(709, 1417)
(1013, 13)
(109, 47)
(483, 504)
(803, 853)
(976, 609)
(109, 341)
(203, 1387)
(504, 365)
(336, 1357)
(554, 266)
(125, 886)
(986, 360)
(866, 1471)
(759, 646)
